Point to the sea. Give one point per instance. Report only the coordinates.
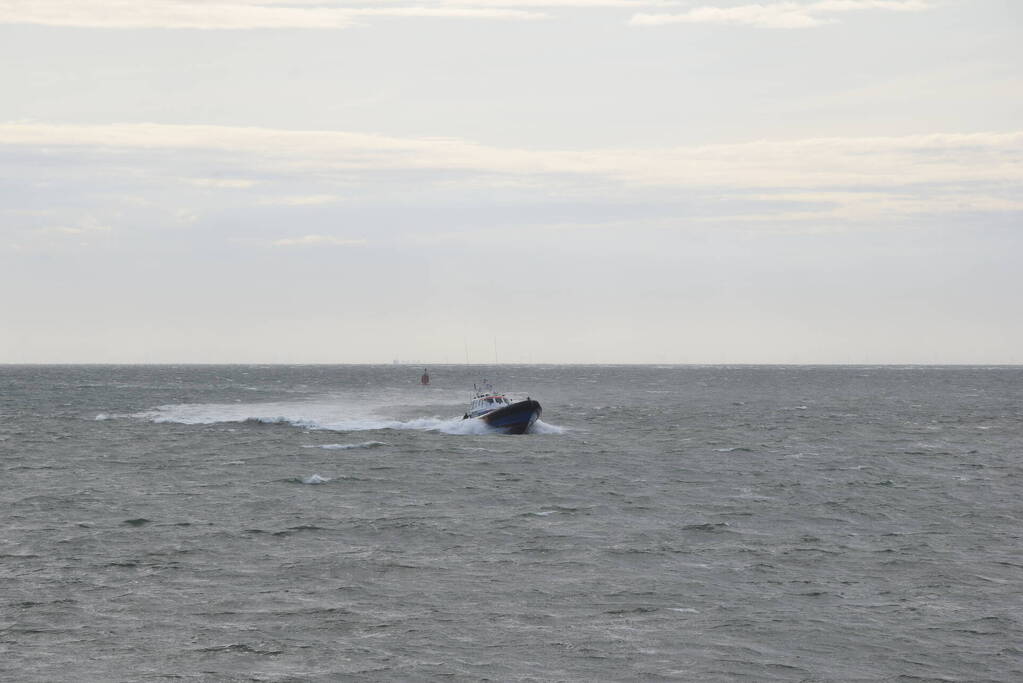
(661, 523)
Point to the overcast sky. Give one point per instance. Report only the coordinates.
(813, 181)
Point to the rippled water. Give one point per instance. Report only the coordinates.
(341, 523)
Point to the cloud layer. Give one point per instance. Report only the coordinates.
(784, 15)
(939, 158)
(238, 15)
(119, 175)
(264, 14)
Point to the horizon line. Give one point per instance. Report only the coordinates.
(3, 364)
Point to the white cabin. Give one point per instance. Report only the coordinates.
(485, 403)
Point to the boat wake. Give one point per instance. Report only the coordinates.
(331, 415)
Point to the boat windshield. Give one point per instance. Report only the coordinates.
(490, 401)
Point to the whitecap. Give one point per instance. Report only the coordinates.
(316, 479)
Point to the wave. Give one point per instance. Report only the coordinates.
(708, 526)
(347, 446)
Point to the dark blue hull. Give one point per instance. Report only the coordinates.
(514, 419)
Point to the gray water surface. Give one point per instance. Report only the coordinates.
(327, 523)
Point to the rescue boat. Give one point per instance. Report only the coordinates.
(500, 412)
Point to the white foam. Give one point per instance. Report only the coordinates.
(316, 479)
(347, 446)
(103, 417)
(449, 426)
(342, 416)
(541, 427)
(340, 413)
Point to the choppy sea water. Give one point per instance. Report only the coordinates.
(270, 523)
